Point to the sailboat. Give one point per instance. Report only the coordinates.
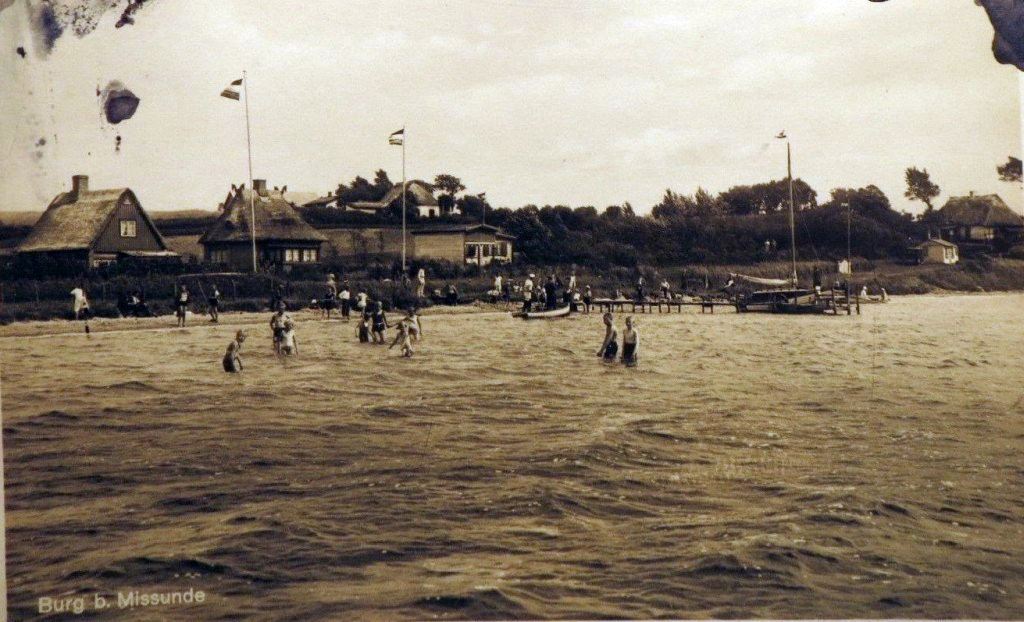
(785, 296)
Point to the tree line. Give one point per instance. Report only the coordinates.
(744, 224)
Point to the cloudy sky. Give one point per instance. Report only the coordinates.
(572, 102)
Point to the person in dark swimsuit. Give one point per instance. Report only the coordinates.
(630, 343)
(363, 329)
(380, 322)
(610, 347)
(232, 361)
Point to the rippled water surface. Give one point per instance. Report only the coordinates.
(750, 466)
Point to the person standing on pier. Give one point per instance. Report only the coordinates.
(528, 294)
(550, 291)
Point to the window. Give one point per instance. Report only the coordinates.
(219, 255)
(129, 228)
(309, 255)
(291, 255)
(471, 251)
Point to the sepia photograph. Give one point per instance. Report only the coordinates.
(416, 310)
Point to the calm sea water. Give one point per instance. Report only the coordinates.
(750, 466)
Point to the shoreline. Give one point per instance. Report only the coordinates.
(246, 319)
(233, 319)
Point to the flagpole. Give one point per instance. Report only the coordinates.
(792, 224)
(252, 189)
(403, 199)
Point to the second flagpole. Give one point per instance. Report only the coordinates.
(403, 198)
(252, 190)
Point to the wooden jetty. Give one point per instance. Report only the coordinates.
(836, 302)
(662, 305)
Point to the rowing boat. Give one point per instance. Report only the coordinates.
(544, 315)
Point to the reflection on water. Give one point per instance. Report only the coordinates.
(753, 466)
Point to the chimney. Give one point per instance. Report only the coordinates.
(972, 193)
(260, 186)
(79, 185)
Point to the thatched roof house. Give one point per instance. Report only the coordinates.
(90, 228)
(283, 238)
(980, 219)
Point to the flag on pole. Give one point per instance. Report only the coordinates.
(396, 138)
(231, 92)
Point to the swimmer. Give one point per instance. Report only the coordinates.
(610, 347)
(289, 345)
(415, 329)
(630, 343)
(402, 336)
(232, 360)
(363, 329)
(379, 321)
(277, 324)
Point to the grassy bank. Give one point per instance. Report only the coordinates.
(50, 300)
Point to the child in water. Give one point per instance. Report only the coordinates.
(630, 343)
(288, 343)
(402, 336)
(414, 328)
(277, 324)
(610, 347)
(232, 360)
(363, 329)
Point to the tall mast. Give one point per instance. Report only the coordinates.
(403, 198)
(792, 222)
(252, 190)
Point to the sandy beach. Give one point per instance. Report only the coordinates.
(241, 319)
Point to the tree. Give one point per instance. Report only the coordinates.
(361, 190)
(1011, 171)
(381, 184)
(473, 207)
(449, 184)
(920, 187)
(672, 205)
(705, 205)
(769, 197)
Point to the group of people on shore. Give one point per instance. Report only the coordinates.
(547, 294)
